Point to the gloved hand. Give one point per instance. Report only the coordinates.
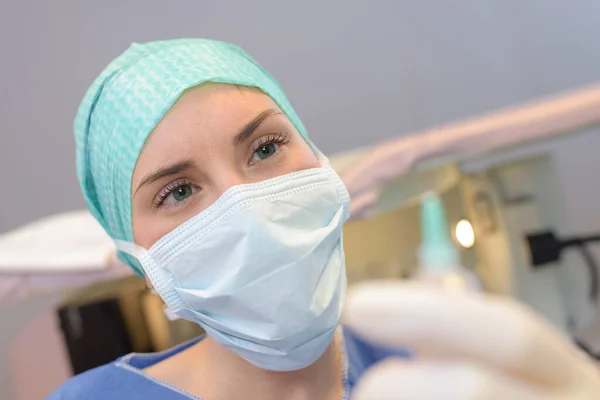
(468, 346)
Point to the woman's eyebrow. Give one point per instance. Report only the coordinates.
(168, 170)
(251, 126)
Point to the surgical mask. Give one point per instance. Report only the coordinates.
(262, 270)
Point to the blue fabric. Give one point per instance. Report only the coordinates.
(124, 379)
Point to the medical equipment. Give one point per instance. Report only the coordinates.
(439, 260)
(59, 243)
(503, 192)
(545, 248)
(471, 346)
(60, 252)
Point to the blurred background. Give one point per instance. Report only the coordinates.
(357, 73)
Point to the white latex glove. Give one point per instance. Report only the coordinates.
(469, 346)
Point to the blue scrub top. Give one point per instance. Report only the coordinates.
(124, 379)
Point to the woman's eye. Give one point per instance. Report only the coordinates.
(179, 194)
(265, 151)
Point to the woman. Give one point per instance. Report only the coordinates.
(195, 163)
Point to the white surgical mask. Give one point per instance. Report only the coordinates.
(262, 269)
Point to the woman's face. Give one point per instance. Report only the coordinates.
(215, 136)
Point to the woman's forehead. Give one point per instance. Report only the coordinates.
(215, 106)
(207, 116)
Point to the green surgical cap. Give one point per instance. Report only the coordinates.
(129, 98)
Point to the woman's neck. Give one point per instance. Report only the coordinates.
(212, 372)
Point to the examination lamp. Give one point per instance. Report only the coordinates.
(464, 233)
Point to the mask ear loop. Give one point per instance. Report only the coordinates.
(159, 277)
(131, 248)
(323, 160)
(342, 192)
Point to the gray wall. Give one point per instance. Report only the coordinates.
(356, 71)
